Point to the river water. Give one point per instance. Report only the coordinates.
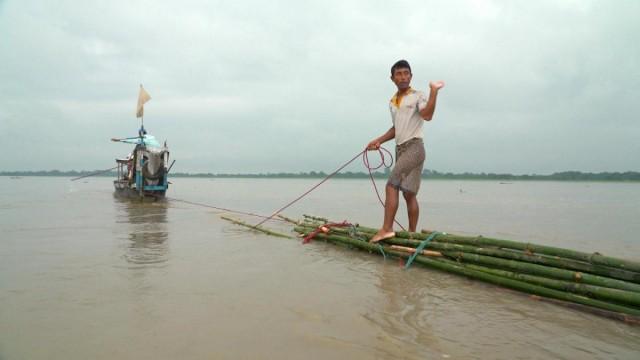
(84, 275)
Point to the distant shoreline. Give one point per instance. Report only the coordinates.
(628, 176)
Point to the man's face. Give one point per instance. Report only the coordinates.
(402, 78)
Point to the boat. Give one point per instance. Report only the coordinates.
(143, 173)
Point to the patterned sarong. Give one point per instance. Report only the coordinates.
(407, 172)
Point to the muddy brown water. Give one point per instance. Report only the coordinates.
(84, 275)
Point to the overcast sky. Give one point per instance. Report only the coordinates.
(270, 86)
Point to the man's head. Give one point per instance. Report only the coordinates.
(401, 74)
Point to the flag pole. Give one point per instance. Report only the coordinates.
(143, 97)
(142, 115)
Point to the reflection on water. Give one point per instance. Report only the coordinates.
(404, 313)
(148, 232)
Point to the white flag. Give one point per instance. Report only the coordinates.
(143, 97)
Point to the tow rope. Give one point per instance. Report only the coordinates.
(367, 164)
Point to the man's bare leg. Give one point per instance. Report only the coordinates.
(392, 195)
(413, 210)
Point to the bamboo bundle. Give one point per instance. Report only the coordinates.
(594, 281)
(539, 254)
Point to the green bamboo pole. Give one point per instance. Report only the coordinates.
(289, 220)
(542, 270)
(312, 223)
(452, 266)
(629, 319)
(364, 245)
(557, 262)
(258, 228)
(315, 218)
(602, 293)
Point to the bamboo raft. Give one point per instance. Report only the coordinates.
(594, 282)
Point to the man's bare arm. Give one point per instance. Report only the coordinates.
(375, 143)
(427, 112)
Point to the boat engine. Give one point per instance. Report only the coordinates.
(154, 167)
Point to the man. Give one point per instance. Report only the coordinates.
(409, 109)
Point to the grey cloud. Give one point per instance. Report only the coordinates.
(294, 86)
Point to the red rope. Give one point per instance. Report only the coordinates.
(310, 190)
(220, 208)
(365, 160)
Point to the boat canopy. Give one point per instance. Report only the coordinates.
(149, 140)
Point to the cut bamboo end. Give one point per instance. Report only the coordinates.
(412, 250)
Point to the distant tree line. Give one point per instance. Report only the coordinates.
(426, 174)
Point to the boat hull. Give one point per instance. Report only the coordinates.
(123, 189)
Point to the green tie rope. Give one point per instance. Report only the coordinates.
(421, 247)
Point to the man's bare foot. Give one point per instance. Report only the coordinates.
(382, 235)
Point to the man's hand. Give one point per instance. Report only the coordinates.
(373, 145)
(436, 85)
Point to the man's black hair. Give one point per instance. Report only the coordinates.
(400, 64)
